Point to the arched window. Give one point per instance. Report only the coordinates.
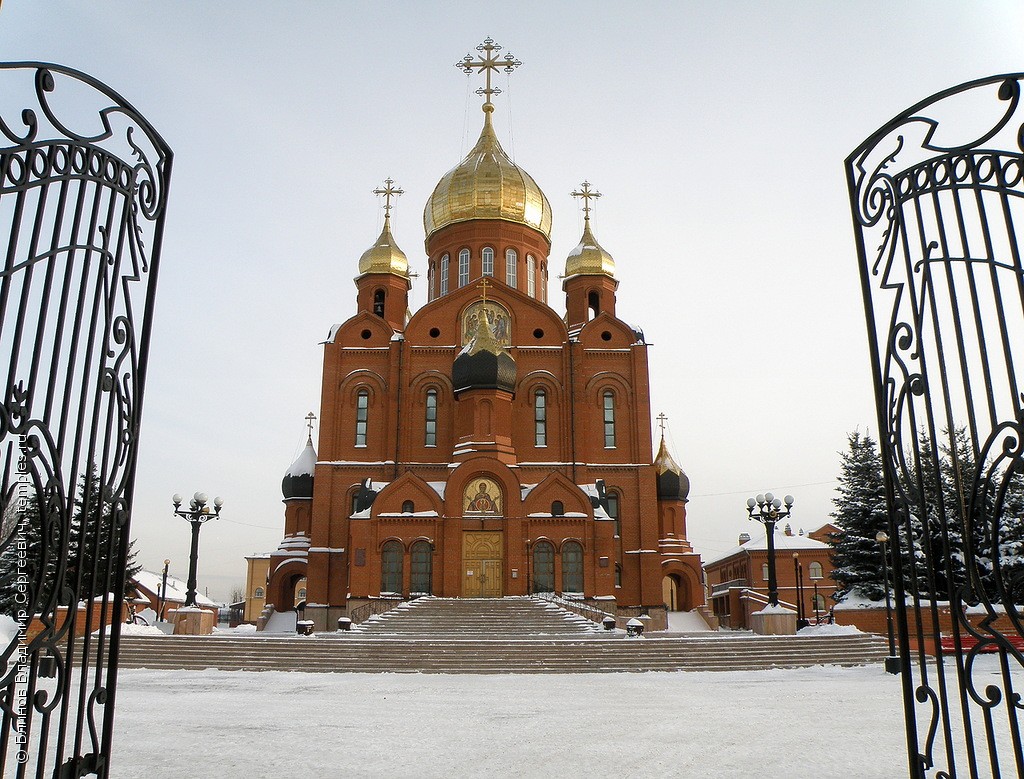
(463, 267)
(531, 276)
(431, 291)
(430, 430)
(594, 304)
(511, 259)
(612, 498)
(557, 508)
(814, 569)
(378, 302)
(540, 418)
(544, 282)
(818, 603)
(609, 419)
(572, 567)
(362, 412)
(618, 575)
(391, 567)
(764, 571)
(543, 567)
(487, 261)
(444, 274)
(258, 593)
(421, 568)
(408, 507)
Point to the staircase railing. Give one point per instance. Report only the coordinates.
(757, 597)
(374, 607)
(577, 607)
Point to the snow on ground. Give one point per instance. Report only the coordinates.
(9, 628)
(686, 622)
(733, 724)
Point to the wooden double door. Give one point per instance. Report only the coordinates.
(482, 573)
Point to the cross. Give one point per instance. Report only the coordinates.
(388, 191)
(587, 194)
(486, 63)
(310, 418)
(484, 284)
(662, 419)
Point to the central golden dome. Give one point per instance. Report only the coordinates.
(487, 185)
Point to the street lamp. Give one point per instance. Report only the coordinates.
(163, 592)
(767, 509)
(892, 662)
(197, 514)
(798, 577)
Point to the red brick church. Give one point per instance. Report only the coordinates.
(486, 445)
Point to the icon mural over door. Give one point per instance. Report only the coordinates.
(483, 496)
(497, 318)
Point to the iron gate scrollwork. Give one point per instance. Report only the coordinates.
(937, 196)
(83, 188)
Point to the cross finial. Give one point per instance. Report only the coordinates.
(388, 191)
(662, 419)
(587, 194)
(310, 418)
(484, 284)
(487, 63)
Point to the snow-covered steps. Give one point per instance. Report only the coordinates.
(368, 653)
(478, 617)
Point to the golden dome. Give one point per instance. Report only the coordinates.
(588, 258)
(384, 256)
(487, 185)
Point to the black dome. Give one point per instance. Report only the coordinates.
(483, 363)
(298, 481)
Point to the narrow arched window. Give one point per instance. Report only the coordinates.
(511, 272)
(572, 567)
(378, 302)
(463, 267)
(408, 507)
(258, 593)
(421, 559)
(618, 575)
(814, 569)
(540, 418)
(594, 304)
(818, 602)
(609, 419)
(430, 431)
(543, 567)
(764, 571)
(487, 261)
(444, 274)
(362, 412)
(431, 291)
(612, 498)
(531, 276)
(391, 567)
(557, 509)
(544, 282)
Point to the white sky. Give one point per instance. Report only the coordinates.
(715, 131)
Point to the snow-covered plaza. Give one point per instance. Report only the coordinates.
(814, 722)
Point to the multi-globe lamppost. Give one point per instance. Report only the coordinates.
(197, 514)
(768, 510)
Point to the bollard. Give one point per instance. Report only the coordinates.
(344, 623)
(634, 628)
(304, 627)
(608, 623)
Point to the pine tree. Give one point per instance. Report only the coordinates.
(860, 513)
(96, 541)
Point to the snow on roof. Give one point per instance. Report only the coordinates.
(782, 543)
(438, 487)
(176, 588)
(305, 463)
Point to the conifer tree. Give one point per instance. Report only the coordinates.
(860, 513)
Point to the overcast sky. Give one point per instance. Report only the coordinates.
(715, 131)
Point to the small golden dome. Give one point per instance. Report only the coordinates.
(487, 185)
(384, 256)
(588, 258)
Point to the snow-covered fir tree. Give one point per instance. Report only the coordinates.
(860, 513)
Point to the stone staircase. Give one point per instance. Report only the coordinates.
(518, 635)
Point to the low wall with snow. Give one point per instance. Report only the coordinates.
(870, 617)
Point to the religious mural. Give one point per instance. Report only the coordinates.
(482, 496)
(497, 318)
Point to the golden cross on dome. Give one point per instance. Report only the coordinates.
(310, 418)
(388, 191)
(484, 284)
(587, 194)
(662, 419)
(487, 63)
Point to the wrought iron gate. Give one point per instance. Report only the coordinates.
(938, 198)
(83, 186)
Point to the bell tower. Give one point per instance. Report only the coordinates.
(383, 280)
(589, 280)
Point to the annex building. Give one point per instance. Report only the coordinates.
(487, 444)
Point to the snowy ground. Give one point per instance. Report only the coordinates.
(818, 722)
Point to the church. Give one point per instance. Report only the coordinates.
(485, 445)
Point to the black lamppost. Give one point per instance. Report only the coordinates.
(892, 662)
(767, 509)
(798, 577)
(197, 514)
(163, 592)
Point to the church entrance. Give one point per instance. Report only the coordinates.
(481, 564)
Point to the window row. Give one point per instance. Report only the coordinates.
(421, 567)
(814, 570)
(543, 574)
(439, 282)
(540, 418)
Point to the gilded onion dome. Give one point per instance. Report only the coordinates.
(673, 484)
(487, 185)
(589, 258)
(384, 256)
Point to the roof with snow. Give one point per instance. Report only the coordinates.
(298, 480)
(783, 543)
(176, 588)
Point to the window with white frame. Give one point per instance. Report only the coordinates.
(487, 261)
(362, 413)
(444, 274)
(609, 419)
(531, 276)
(463, 267)
(814, 569)
(540, 418)
(511, 259)
(430, 437)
